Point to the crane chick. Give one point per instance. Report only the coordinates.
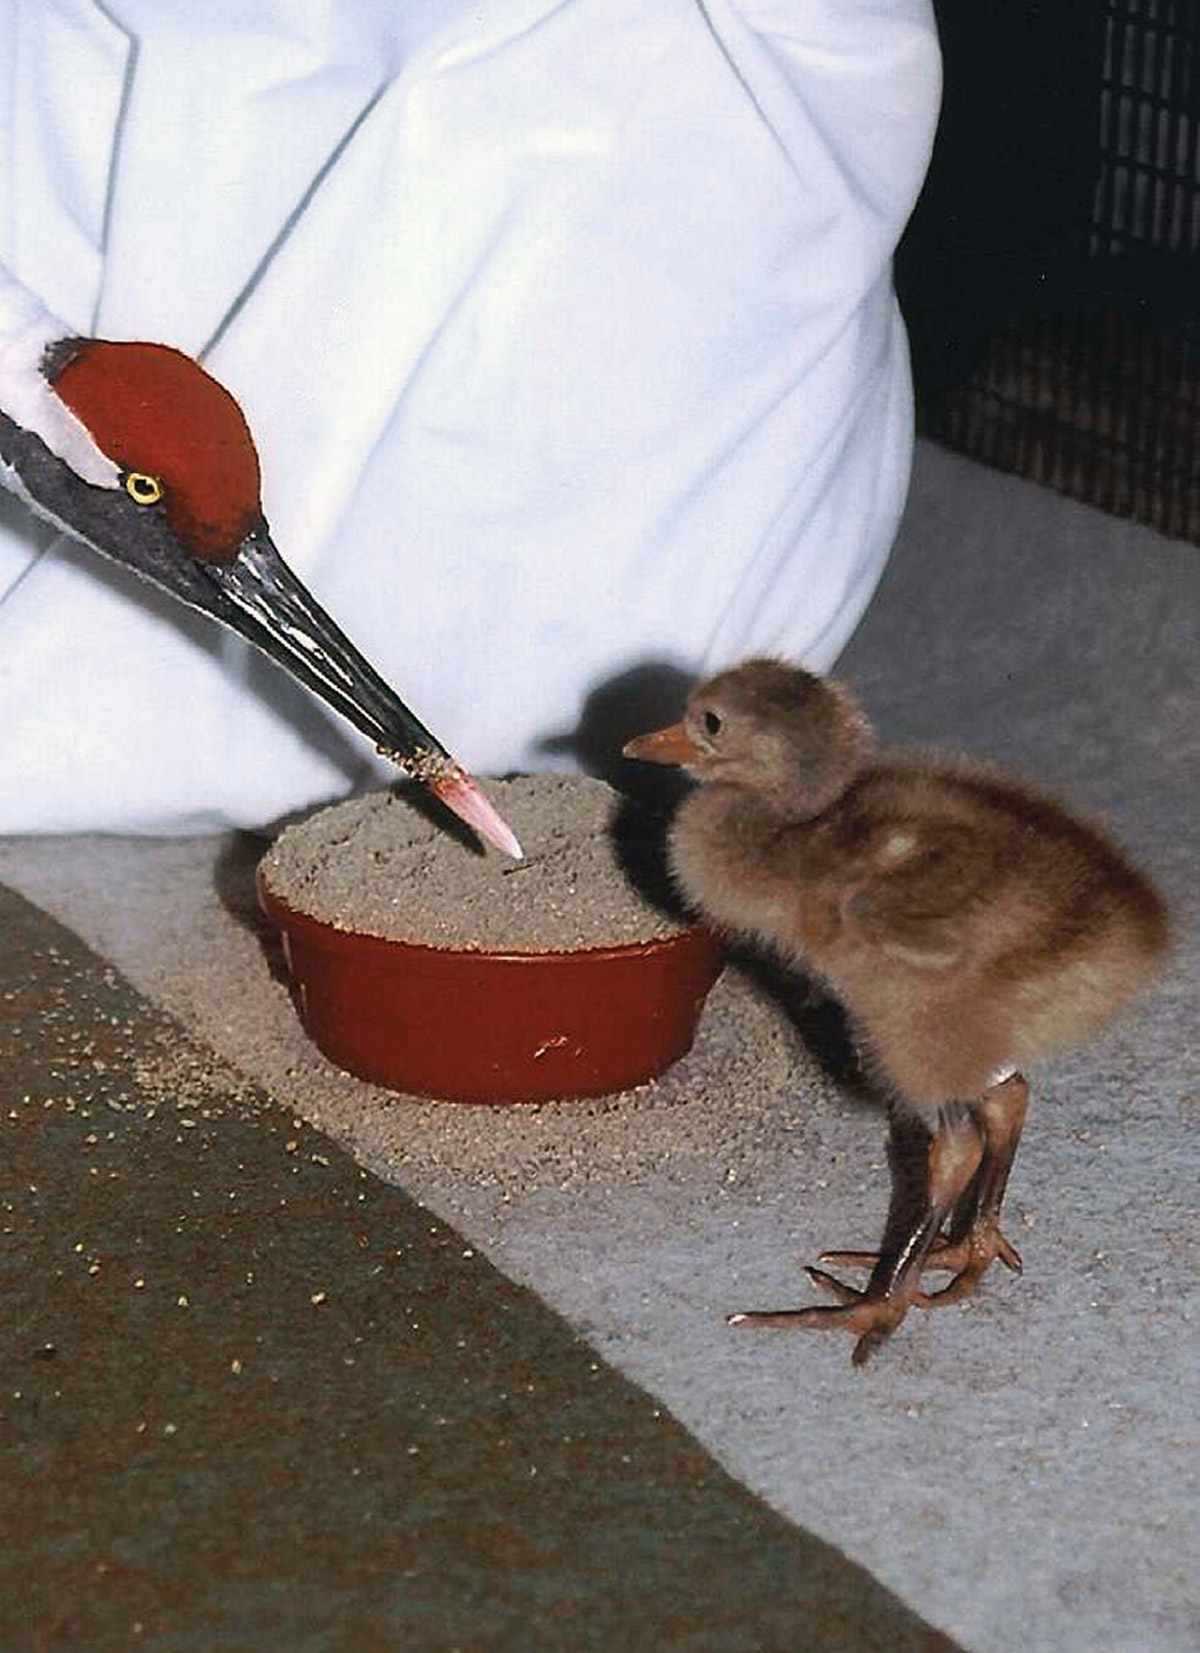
(968, 925)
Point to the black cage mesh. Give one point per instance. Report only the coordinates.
(1050, 275)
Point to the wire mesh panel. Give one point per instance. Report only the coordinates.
(1148, 194)
(1064, 344)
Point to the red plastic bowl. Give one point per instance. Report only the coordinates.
(468, 1026)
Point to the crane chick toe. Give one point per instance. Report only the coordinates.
(872, 1315)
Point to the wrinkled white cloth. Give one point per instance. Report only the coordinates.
(565, 329)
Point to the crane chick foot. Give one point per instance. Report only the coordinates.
(967, 1258)
(953, 1156)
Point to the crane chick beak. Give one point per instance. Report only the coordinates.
(671, 745)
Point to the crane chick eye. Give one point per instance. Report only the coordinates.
(712, 723)
(142, 488)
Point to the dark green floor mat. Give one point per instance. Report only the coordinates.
(255, 1399)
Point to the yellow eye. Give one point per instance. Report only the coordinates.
(143, 489)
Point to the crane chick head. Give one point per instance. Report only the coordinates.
(795, 739)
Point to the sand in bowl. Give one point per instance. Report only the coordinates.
(383, 865)
(435, 967)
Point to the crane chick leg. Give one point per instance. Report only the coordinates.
(972, 1241)
(953, 1156)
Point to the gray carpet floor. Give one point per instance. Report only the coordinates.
(1021, 1470)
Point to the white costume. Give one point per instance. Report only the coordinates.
(565, 329)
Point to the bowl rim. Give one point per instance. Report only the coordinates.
(322, 933)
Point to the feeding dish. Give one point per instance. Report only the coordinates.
(483, 1020)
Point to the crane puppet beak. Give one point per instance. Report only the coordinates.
(276, 612)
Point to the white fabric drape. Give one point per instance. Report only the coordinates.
(565, 328)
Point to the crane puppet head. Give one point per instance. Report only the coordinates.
(135, 450)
